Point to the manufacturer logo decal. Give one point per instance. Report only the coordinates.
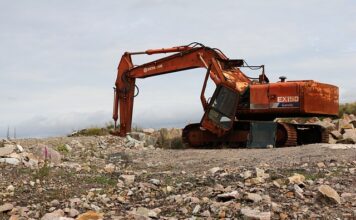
(146, 69)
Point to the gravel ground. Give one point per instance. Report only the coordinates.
(101, 178)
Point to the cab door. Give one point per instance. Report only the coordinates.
(220, 114)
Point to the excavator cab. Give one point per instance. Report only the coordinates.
(220, 113)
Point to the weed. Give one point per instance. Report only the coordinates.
(62, 149)
(43, 171)
(100, 180)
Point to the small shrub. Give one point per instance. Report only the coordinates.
(62, 149)
(43, 171)
(93, 131)
(347, 108)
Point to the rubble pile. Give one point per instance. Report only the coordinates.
(340, 130)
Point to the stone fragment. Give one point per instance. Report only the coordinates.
(228, 196)
(43, 152)
(8, 149)
(19, 148)
(55, 215)
(73, 213)
(255, 181)
(206, 213)
(254, 197)
(336, 134)
(142, 211)
(329, 193)
(214, 170)
(148, 130)
(350, 134)
(261, 173)
(296, 179)
(6, 207)
(251, 214)
(298, 191)
(155, 182)
(9, 160)
(247, 174)
(10, 188)
(53, 202)
(196, 209)
(321, 165)
(90, 215)
(128, 179)
(109, 168)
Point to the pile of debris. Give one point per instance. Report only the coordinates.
(341, 131)
(163, 138)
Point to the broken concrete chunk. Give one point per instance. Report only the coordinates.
(329, 193)
(228, 196)
(6, 207)
(296, 179)
(251, 214)
(128, 179)
(6, 150)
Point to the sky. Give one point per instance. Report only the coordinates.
(58, 58)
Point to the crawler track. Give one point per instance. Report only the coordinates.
(287, 135)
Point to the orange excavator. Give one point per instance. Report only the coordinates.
(242, 110)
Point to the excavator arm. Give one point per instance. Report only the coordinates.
(223, 71)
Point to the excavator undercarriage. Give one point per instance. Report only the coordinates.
(241, 136)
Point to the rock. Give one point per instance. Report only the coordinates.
(155, 182)
(43, 152)
(128, 179)
(90, 215)
(298, 191)
(53, 215)
(206, 213)
(53, 202)
(6, 207)
(169, 188)
(261, 173)
(19, 148)
(255, 181)
(329, 193)
(296, 179)
(6, 150)
(247, 174)
(350, 134)
(10, 188)
(196, 209)
(133, 143)
(12, 161)
(336, 134)
(332, 140)
(321, 165)
(228, 196)
(251, 214)
(74, 202)
(214, 170)
(73, 213)
(142, 211)
(254, 197)
(148, 130)
(109, 168)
